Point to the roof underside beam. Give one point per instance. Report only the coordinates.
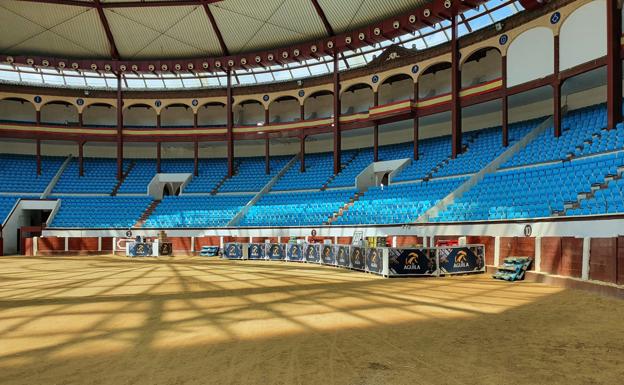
(125, 4)
(215, 27)
(109, 34)
(319, 11)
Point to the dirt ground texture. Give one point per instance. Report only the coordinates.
(193, 320)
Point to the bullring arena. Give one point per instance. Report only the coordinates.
(311, 192)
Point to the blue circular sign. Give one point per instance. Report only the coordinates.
(415, 68)
(555, 17)
(265, 98)
(195, 102)
(37, 99)
(503, 39)
(375, 78)
(80, 102)
(301, 93)
(158, 103)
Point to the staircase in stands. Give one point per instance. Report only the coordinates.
(123, 178)
(446, 161)
(225, 178)
(342, 167)
(146, 214)
(344, 208)
(587, 195)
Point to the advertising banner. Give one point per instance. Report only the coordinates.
(374, 260)
(357, 258)
(165, 248)
(328, 256)
(461, 259)
(312, 253)
(256, 251)
(233, 251)
(294, 252)
(140, 249)
(412, 262)
(276, 252)
(342, 256)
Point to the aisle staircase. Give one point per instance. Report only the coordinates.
(146, 214)
(445, 161)
(123, 178)
(344, 208)
(342, 167)
(215, 190)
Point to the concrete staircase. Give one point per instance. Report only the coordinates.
(588, 195)
(344, 208)
(492, 167)
(446, 161)
(342, 167)
(146, 214)
(586, 142)
(215, 190)
(123, 178)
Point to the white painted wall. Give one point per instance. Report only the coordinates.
(396, 91)
(433, 84)
(319, 106)
(482, 71)
(249, 114)
(176, 116)
(210, 115)
(100, 114)
(17, 110)
(139, 116)
(530, 56)
(59, 114)
(356, 101)
(284, 111)
(583, 35)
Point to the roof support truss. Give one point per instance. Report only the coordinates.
(109, 34)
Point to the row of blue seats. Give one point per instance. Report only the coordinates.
(18, 173)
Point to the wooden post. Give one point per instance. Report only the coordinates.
(119, 128)
(230, 122)
(455, 88)
(504, 102)
(614, 64)
(376, 130)
(556, 92)
(336, 125)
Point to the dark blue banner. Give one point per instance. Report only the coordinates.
(312, 253)
(276, 251)
(357, 258)
(294, 252)
(374, 260)
(328, 256)
(233, 251)
(342, 256)
(140, 249)
(256, 251)
(461, 259)
(412, 261)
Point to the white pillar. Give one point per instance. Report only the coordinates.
(221, 243)
(538, 254)
(496, 251)
(99, 243)
(192, 244)
(394, 242)
(35, 246)
(66, 244)
(585, 267)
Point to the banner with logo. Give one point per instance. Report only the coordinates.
(294, 251)
(313, 253)
(165, 248)
(256, 251)
(357, 258)
(374, 260)
(412, 262)
(140, 249)
(328, 255)
(461, 259)
(233, 251)
(276, 252)
(342, 256)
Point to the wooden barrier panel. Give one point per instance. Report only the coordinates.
(517, 247)
(107, 244)
(206, 241)
(181, 244)
(51, 244)
(603, 259)
(571, 257)
(344, 240)
(551, 255)
(620, 261)
(263, 239)
(28, 247)
(488, 242)
(408, 241)
(83, 244)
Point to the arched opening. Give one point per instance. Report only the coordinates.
(99, 114)
(167, 191)
(213, 114)
(248, 113)
(395, 88)
(17, 110)
(59, 113)
(319, 105)
(284, 109)
(176, 115)
(357, 98)
(435, 81)
(481, 67)
(139, 115)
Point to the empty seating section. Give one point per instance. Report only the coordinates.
(6, 205)
(296, 209)
(577, 126)
(354, 162)
(139, 177)
(99, 212)
(398, 203)
(430, 153)
(18, 173)
(319, 168)
(530, 192)
(251, 174)
(100, 177)
(196, 211)
(211, 172)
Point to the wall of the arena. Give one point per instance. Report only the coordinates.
(530, 56)
(583, 35)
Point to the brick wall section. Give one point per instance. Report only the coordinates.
(603, 259)
(181, 245)
(206, 241)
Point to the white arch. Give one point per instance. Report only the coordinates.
(530, 56)
(583, 35)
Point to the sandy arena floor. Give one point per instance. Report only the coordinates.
(111, 320)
